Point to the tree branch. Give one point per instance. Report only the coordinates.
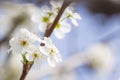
(26, 69)
(50, 29)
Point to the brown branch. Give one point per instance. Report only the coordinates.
(26, 69)
(50, 29)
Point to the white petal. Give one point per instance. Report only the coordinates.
(56, 49)
(58, 58)
(11, 42)
(44, 50)
(23, 34)
(65, 28)
(74, 22)
(45, 9)
(16, 48)
(59, 34)
(53, 3)
(37, 63)
(35, 18)
(42, 26)
(77, 16)
(29, 57)
(51, 61)
(48, 41)
(56, 3)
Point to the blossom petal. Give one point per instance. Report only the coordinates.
(77, 16)
(30, 57)
(51, 61)
(42, 27)
(65, 28)
(44, 50)
(56, 4)
(74, 22)
(48, 41)
(59, 34)
(58, 58)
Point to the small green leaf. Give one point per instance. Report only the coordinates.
(25, 61)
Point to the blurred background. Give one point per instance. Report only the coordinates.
(90, 51)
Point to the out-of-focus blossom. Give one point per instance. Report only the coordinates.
(62, 74)
(20, 16)
(100, 58)
(5, 24)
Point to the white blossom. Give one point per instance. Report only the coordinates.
(52, 53)
(61, 29)
(35, 55)
(23, 41)
(73, 16)
(56, 5)
(43, 17)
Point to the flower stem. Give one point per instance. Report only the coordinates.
(26, 67)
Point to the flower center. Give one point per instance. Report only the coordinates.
(50, 13)
(36, 55)
(70, 15)
(23, 43)
(58, 26)
(96, 64)
(52, 51)
(57, 8)
(46, 19)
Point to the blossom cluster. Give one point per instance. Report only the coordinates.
(34, 48)
(46, 15)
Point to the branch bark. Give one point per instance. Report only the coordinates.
(26, 69)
